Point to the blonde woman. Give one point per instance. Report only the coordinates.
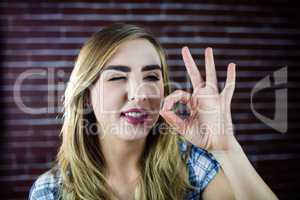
(122, 138)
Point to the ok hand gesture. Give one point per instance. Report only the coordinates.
(209, 125)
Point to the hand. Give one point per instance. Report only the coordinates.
(209, 125)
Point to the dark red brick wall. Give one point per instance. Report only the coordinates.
(261, 37)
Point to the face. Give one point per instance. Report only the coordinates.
(127, 96)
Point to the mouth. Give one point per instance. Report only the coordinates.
(135, 116)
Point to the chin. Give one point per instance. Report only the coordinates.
(134, 134)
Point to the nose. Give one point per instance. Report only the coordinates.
(137, 91)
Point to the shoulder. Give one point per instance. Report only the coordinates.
(202, 165)
(46, 186)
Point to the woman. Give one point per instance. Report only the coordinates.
(123, 140)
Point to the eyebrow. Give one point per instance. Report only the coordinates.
(124, 68)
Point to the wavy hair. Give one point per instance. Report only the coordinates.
(164, 174)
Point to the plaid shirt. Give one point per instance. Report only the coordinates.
(202, 168)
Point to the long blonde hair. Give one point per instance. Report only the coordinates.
(164, 173)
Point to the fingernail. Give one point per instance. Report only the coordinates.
(185, 48)
(209, 49)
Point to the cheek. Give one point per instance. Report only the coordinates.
(158, 96)
(161, 92)
(111, 98)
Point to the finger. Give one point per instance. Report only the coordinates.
(178, 95)
(211, 76)
(173, 120)
(192, 69)
(230, 82)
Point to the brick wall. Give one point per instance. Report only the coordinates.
(45, 37)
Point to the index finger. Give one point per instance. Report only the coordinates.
(192, 69)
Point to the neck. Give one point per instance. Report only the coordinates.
(122, 157)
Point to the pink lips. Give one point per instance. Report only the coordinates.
(135, 120)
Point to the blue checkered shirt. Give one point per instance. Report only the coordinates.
(202, 167)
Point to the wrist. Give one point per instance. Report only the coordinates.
(233, 148)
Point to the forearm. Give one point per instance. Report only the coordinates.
(245, 181)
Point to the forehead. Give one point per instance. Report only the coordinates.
(135, 53)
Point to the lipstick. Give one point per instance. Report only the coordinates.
(135, 116)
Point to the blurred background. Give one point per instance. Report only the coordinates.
(41, 39)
